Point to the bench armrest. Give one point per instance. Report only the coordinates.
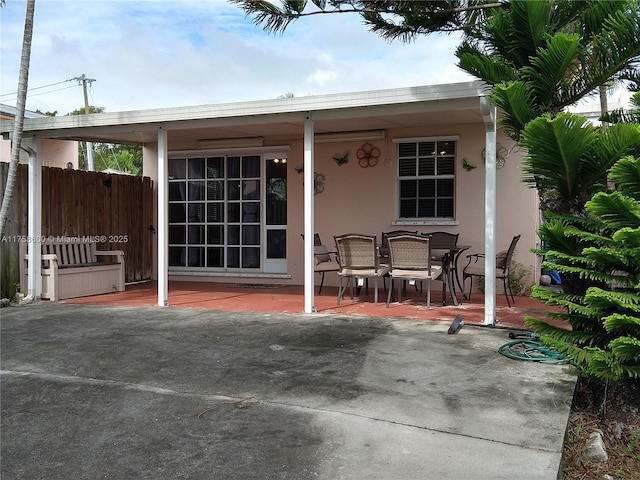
(110, 253)
(44, 256)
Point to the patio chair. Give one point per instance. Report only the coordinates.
(323, 259)
(410, 257)
(443, 245)
(358, 258)
(384, 246)
(475, 268)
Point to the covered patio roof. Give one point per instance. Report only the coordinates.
(282, 118)
(380, 109)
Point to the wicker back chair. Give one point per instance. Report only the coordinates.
(442, 241)
(358, 258)
(410, 257)
(384, 243)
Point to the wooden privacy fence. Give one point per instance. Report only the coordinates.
(116, 210)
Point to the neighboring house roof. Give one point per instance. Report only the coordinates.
(378, 109)
(9, 112)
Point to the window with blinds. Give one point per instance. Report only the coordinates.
(426, 179)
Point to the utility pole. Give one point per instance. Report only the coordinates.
(88, 145)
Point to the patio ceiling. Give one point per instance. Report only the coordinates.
(374, 110)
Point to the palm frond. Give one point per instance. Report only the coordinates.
(268, 16)
(605, 365)
(626, 175)
(622, 323)
(626, 349)
(515, 99)
(580, 356)
(628, 238)
(544, 328)
(552, 66)
(614, 50)
(615, 209)
(528, 27)
(491, 68)
(613, 143)
(605, 299)
(556, 149)
(621, 116)
(405, 20)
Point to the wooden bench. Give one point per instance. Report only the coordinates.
(71, 267)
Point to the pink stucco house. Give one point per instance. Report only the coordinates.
(238, 183)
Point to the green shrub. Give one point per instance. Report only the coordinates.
(604, 340)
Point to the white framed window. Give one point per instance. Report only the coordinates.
(426, 178)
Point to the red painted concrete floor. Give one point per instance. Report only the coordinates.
(290, 299)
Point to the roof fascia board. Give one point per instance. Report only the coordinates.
(469, 103)
(322, 103)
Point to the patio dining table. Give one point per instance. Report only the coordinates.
(450, 271)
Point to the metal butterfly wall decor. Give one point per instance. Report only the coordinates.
(341, 159)
(467, 165)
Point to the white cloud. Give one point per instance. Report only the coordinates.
(150, 54)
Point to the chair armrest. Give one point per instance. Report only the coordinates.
(473, 257)
(333, 257)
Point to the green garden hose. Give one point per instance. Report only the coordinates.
(532, 350)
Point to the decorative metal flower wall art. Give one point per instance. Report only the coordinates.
(368, 155)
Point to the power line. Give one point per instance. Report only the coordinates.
(38, 88)
(44, 93)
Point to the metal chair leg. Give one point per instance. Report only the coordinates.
(375, 294)
(340, 291)
(389, 292)
(507, 291)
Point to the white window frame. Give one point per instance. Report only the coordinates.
(426, 220)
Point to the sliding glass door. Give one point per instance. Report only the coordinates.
(216, 220)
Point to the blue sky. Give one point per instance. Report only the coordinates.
(164, 53)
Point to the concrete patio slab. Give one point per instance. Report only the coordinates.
(163, 393)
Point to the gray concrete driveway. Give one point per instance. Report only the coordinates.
(163, 393)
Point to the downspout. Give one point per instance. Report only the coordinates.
(309, 217)
(489, 113)
(34, 225)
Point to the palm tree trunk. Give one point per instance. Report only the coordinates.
(604, 105)
(23, 82)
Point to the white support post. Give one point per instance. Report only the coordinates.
(308, 215)
(489, 113)
(163, 218)
(34, 226)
